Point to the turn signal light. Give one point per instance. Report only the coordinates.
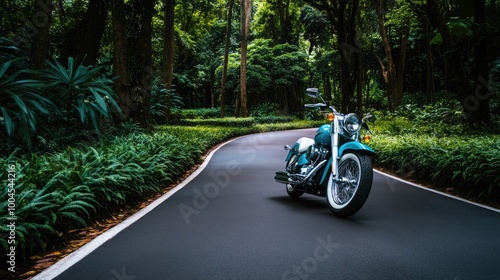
(367, 139)
(330, 117)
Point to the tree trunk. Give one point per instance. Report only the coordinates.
(41, 25)
(91, 31)
(350, 52)
(168, 48)
(474, 102)
(398, 98)
(120, 58)
(226, 57)
(389, 71)
(431, 92)
(480, 66)
(141, 57)
(246, 9)
(285, 29)
(359, 89)
(343, 15)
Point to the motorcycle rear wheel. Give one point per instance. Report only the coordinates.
(346, 197)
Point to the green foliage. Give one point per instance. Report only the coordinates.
(58, 93)
(21, 103)
(80, 89)
(200, 113)
(430, 144)
(162, 101)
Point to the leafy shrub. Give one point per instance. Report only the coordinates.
(441, 153)
(21, 103)
(201, 113)
(162, 101)
(227, 122)
(80, 90)
(266, 109)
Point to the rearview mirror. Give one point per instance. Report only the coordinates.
(313, 92)
(369, 117)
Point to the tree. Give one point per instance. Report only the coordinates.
(227, 41)
(141, 58)
(480, 109)
(90, 31)
(278, 20)
(40, 44)
(246, 12)
(475, 101)
(402, 17)
(343, 15)
(169, 43)
(288, 71)
(120, 57)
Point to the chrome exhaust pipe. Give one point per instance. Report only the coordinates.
(284, 177)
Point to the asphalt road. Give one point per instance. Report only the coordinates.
(232, 221)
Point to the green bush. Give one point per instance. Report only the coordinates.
(202, 113)
(80, 91)
(447, 155)
(21, 103)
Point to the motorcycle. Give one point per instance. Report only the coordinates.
(336, 164)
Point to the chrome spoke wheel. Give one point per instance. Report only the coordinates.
(347, 194)
(345, 188)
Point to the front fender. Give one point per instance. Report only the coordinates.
(356, 147)
(349, 146)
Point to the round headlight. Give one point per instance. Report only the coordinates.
(352, 123)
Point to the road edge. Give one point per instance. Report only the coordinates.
(65, 263)
(436, 191)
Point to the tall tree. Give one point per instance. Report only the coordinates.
(246, 12)
(402, 17)
(90, 31)
(278, 19)
(227, 40)
(41, 25)
(475, 101)
(480, 66)
(141, 57)
(169, 40)
(343, 15)
(120, 56)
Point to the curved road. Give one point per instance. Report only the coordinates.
(232, 221)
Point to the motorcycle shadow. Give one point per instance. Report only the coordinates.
(303, 203)
(318, 206)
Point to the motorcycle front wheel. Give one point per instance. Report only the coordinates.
(347, 195)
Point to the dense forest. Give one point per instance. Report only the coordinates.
(82, 62)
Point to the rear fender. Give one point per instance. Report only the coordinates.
(293, 151)
(302, 157)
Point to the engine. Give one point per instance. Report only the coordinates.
(315, 154)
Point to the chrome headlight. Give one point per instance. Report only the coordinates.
(352, 123)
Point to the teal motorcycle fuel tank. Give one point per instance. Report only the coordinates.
(322, 136)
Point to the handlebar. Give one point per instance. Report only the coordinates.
(317, 105)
